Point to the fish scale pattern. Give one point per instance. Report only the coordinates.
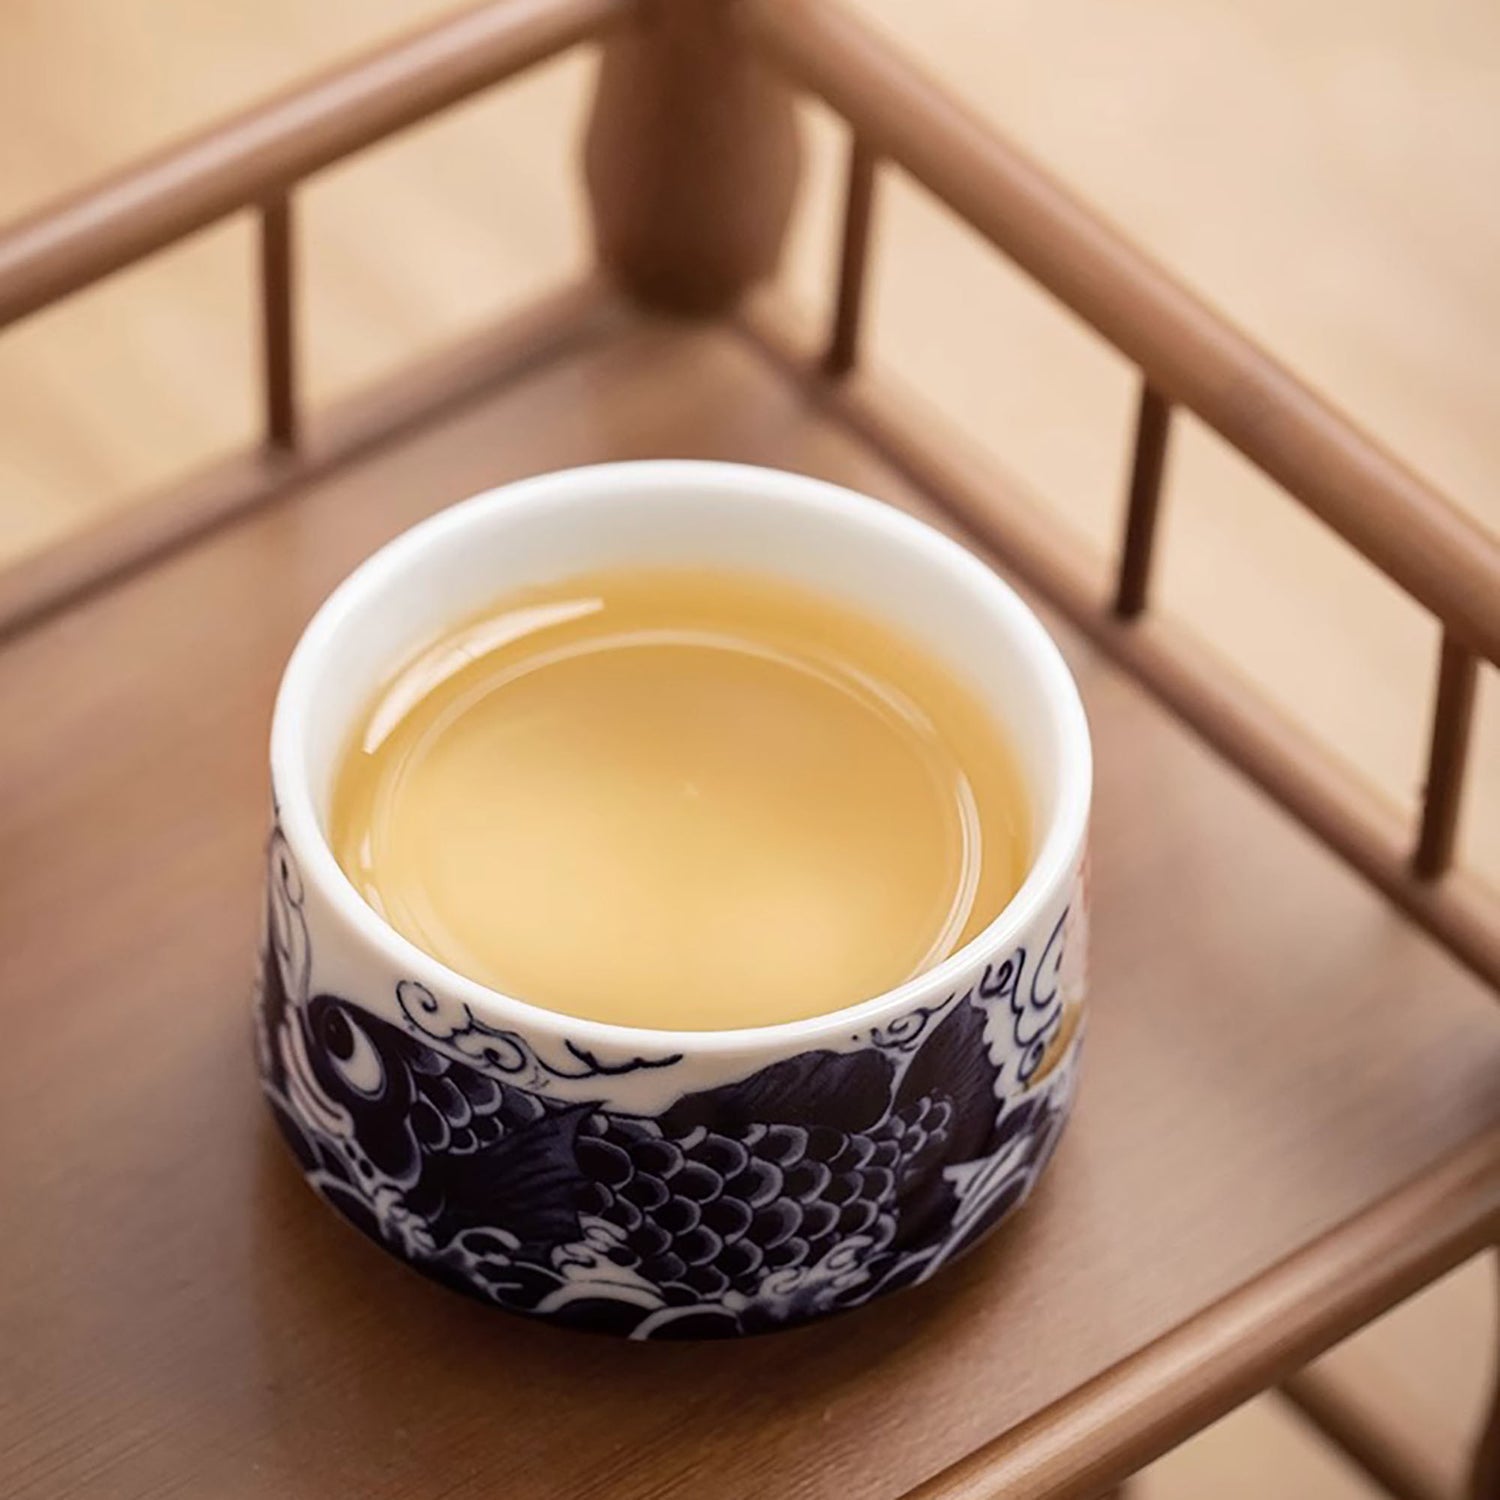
(714, 1212)
(705, 1212)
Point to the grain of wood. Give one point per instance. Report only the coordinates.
(181, 1313)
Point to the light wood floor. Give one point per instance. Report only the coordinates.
(1325, 171)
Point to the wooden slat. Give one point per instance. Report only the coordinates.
(1189, 352)
(68, 245)
(1484, 1475)
(1447, 760)
(854, 258)
(1143, 503)
(278, 322)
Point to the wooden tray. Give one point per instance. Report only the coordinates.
(1290, 1116)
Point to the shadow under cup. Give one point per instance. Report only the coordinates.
(670, 1184)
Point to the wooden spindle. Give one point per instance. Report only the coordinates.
(854, 258)
(691, 159)
(278, 330)
(1452, 718)
(1484, 1475)
(1153, 422)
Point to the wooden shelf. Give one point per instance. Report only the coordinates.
(1275, 1054)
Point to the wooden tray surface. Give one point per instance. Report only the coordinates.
(1272, 1049)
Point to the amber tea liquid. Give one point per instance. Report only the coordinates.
(684, 799)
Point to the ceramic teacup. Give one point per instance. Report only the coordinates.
(670, 1184)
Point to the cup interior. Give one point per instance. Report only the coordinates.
(673, 513)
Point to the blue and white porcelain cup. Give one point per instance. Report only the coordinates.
(670, 1184)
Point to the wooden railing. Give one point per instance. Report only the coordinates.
(255, 161)
(256, 158)
(1188, 355)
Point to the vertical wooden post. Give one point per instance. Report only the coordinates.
(854, 260)
(1152, 425)
(1447, 759)
(690, 158)
(1484, 1478)
(278, 323)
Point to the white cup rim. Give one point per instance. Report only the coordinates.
(1057, 852)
